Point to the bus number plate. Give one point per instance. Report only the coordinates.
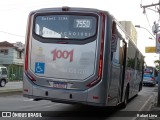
(59, 85)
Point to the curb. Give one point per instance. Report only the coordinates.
(147, 107)
(10, 92)
(155, 109)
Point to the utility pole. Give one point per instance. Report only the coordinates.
(151, 5)
(155, 31)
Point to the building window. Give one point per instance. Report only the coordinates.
(4, 51)
(19, 54)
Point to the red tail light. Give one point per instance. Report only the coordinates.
(27, 44)
(94, 82)
(25, 90)
(101, 54)
(30, 77)
(27, 49)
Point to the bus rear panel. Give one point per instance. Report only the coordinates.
(64, 56)
(80, 55)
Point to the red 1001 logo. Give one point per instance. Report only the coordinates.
(62, 54)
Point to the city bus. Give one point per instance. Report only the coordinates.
(82, 56)
(150, 76)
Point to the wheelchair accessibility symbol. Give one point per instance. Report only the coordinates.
(39, 67)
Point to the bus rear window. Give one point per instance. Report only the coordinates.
(65, 26)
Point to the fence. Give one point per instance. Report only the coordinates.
(15, 72)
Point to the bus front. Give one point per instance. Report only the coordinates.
(64, 56)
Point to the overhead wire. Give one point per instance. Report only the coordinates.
(148, 20)
(24, 6)
(144, 11)
(152, 9)
(147, 15)
(11, 34)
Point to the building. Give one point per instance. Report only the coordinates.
(130, 29)
(12, 56)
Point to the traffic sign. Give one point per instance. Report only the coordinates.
(150, 49)
(39, 67)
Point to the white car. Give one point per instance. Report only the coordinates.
(3, 76)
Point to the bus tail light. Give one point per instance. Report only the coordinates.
(101, 54)
(27, 45)
(30, 77)
(25, 90)
(27, 49)
(28, 33)
(95, 97)
(93, 83)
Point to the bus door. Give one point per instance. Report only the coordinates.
(118, 48)
(123, 46)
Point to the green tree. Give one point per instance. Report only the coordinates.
(157, 62)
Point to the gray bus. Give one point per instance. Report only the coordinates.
(80, 55)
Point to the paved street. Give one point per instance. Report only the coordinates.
(18, 103)
(12, 85)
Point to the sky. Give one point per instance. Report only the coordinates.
(14, 14)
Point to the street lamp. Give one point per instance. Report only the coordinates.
(138, 26)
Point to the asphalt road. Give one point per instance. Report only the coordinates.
(68, 112)
(11, 86)
(17, 103)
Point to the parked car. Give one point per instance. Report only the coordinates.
(3, 76)
(150, 76)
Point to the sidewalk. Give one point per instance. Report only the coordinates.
(11, 87)
(155, 109)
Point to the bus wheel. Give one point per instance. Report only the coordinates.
(140, 86)
(124, 104)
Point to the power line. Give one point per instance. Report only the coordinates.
(24, 6)
(148, 21)
(151, 5)
(152, 10)
(11, 34)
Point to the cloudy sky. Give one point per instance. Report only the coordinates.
(14, 15)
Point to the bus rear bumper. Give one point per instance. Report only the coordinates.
(31, 90)
(38, 98)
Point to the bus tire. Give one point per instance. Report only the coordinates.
(140, 86)
(124, 104)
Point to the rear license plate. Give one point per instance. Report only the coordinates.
(59, 85)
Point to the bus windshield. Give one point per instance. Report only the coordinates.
(65, 26)
(148, 70)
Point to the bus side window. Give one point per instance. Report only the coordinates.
(122, 50)
(116, 54)
(131, 59)
(114, 38)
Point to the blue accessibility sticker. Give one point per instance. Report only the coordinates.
(39, 67)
